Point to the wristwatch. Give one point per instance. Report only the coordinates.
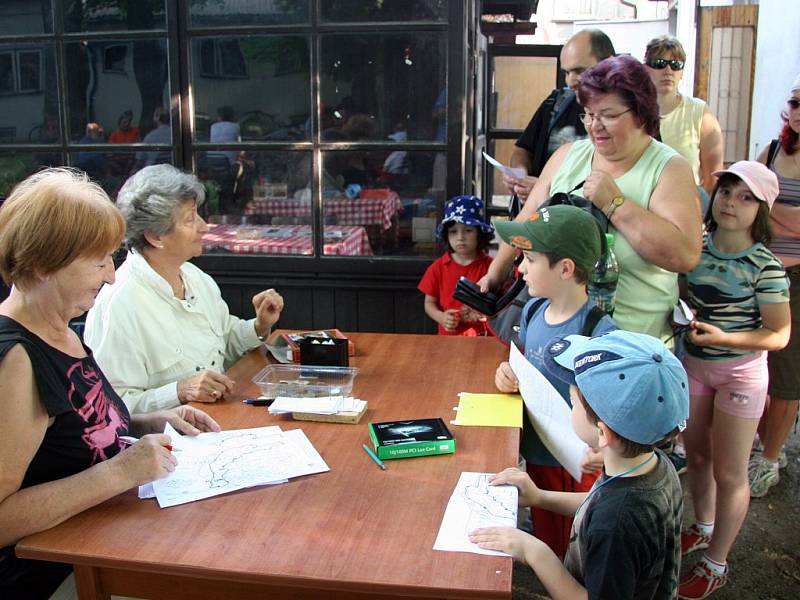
(615, 203)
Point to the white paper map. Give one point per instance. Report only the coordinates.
(216, 463)
(475, 504)
(550, 416)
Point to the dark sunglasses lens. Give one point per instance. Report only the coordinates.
(658, 63)
(794, 104)
(676, 65)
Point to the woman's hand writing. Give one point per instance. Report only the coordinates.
(187, 420)
(146, 460)
(206, 386)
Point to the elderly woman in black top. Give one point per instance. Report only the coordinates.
(60, 419)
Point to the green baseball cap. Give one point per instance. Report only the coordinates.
(567, 231)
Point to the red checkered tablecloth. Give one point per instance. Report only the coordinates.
(285, 239)
(374, 207)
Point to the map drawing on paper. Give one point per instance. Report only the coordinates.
(475, 504)
(211, 464)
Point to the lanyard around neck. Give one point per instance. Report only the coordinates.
(612, 478)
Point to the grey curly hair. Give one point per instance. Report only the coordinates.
(149, 199)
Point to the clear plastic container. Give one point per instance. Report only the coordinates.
(305, 381)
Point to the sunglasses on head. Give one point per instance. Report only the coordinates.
(793, 103)
(661, 63)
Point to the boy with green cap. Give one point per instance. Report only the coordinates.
(560, 246)
(630, 394)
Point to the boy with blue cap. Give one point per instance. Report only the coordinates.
(629, 393)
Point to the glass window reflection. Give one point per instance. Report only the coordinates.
(384, 10)
(391, 194)
(113, 15)
(112, 169)
(129, 101)
(251, 88)
(257, 204)
(16, 166)
(28, 94)
(205, 13)
(397, 81)
(20, 17)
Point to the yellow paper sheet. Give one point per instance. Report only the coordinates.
(489, 410)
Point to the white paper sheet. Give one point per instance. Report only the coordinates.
(516, 172)
(211, 464)
(475, 504)
(323, 405)
(550, 416)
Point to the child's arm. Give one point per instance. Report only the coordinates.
(528, 549)
(772, 335)
(448, 319)
(505, 380)
(563, 503)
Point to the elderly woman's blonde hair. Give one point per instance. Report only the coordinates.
(662, 45)
(52, 218)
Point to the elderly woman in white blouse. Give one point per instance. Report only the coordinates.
(162, 333)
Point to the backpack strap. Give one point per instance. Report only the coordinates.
(773, 150)
(533, 308)
(592, 319)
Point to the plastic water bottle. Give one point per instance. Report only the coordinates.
(603, 279)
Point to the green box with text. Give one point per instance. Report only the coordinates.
(407, 439)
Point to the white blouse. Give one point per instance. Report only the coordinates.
(145, 339)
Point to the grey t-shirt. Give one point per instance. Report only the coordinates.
(625, 540)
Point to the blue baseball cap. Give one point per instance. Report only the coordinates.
(467, 210)
(630, 380)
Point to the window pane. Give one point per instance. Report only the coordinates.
(384, 10)
(383, 87)
(113, 15)
(393, 195)
(16, 166)
(247, 12)
(112, 169)
(18, 17)
(256, 203)
(251, 88)
(28, 94)
(521, 83)
(129, 101)
(497, 194)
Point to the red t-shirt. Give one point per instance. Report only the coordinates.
(131, 136)
(440, 281)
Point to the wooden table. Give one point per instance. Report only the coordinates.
(354, 533)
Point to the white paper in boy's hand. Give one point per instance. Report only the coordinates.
(516, 172)
(682, 314)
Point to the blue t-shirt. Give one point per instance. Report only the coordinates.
(537, 333)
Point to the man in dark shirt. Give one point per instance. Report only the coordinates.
(556, 121)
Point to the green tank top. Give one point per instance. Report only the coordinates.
(645, 293)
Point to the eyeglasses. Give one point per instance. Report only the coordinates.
(604, 120)
(793, 103)
(661, 63)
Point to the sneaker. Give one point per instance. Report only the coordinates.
(693, 539)
(762, 475)
(783, 460)
(700, 582)
(678, 461)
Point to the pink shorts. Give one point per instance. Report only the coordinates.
(739, 386)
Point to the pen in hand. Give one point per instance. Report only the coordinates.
(374, 457)
(129, 440)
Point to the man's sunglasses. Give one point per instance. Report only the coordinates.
(793, 103)
(661, 63)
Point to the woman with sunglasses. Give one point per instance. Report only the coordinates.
(644, 187)
(783, 157)
(686, 124)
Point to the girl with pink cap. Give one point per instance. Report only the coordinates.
(740, 295)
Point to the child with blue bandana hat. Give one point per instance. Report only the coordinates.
(467, 235)
(629, 394)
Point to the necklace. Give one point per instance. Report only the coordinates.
(612, 478)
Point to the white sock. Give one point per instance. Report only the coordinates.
(715, 567)
(705, 528)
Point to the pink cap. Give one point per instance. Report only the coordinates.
(761, 181)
